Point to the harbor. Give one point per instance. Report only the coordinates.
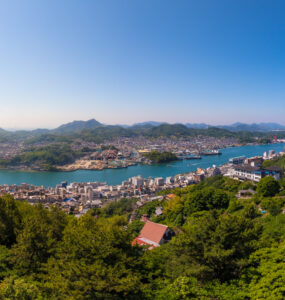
(116, 176)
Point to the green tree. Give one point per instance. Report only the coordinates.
(273, 230)
(182, 288)
(206, 199)
(10, 220)
(38, 239)
(4, 262)
(268, 274)
(135, 227)
(94, 261)
(22, 288)
(268, 187)
(250, 211)
(213, 247)
(273, 205)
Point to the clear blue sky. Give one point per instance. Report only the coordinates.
(130, 61)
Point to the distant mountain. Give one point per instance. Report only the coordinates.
(40, 131)
(77, 126)
(261, 127)
(149, 124)
(123, 125)
(197, 125)
(167, 130)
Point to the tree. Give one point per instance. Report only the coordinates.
(213, 247)
(20, 288)
(182, 288)
(273, 205)
(38, 239)
(273, 230)
(95, 260)
(10, 220)
(250, 211)
(161, 157)
(268, 275)
(4, 262)
(206, 199)
(135, 227)
(173, 211)
(268, 187)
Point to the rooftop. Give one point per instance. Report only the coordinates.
(153, 232)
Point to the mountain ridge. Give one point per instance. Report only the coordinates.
(78, 125)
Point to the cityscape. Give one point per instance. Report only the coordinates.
(78, 198)
(142, 150)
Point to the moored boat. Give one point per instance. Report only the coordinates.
(212, 152)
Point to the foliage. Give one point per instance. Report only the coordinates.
(268, 275)
(205, 199)
(278, 162)
(149, 208)
(223, 249)
(135, 227)
(268, 187)
(160, 157)
(10, 220)
(273, 230)
(44, 157)
(121, 207)
(214, 246)
(273, 205)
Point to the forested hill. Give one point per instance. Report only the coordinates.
(77, 126)
(224, 247)
(103, 133)
(95, 131)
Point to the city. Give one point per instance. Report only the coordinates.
(142, 150)
(78, 198)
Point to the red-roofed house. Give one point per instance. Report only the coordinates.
(153, 235)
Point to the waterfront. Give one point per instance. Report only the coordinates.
(116, 176)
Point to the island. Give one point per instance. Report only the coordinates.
(160, 157)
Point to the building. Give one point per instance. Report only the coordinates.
(214, 171)
(237, 160)
(245, 193)
(153, 235)
(254, 161)
(137, 181)
(248, 172)
(275, 172)
(158, 211)
(159, 181)
(169, 180)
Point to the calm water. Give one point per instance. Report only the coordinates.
(116, 176)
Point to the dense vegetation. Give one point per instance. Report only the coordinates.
(224, 248)
(160, 157)
(279, 162)
(98, 133)
(46, 158)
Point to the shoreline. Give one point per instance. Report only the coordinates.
(112, 177)
(60, 170)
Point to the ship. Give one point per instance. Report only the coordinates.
(192, 157)
(211, 152)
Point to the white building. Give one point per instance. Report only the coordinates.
(159, 181)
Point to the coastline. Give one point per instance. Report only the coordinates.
(63, 169)
(116, 176)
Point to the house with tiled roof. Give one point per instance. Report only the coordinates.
(153, 235)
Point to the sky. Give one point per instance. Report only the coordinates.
(122, 62)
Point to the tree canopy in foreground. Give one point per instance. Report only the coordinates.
(224, 248)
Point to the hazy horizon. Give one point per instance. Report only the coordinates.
(215, 62)
(129, 124)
